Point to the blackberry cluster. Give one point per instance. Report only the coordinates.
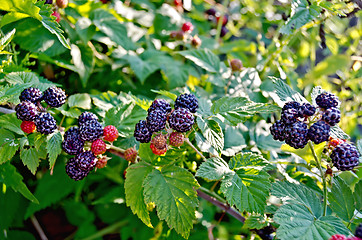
(214, 16)
(160, 113)
(185, 35)
(345, 156)
(90, 130)
(31, 110)
(327, 100)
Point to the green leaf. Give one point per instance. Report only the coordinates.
(135, 177)
(11, 122)
(341, 200)
(213, 169)
(212, 131)
(51, 189)
(4, 41)
(83, 59)
(114, 195)
(54, 147)
(81, 100)
(166, 94)
(302, 13)
(30, 159)
(203, 58)
(285, 93)
(142, 69)
(26, 7)
(8, 145)
(329, 66)
(110, 26)
(357, 194)
(85, 29)
(337, 224)
(173, 190)
(255, 222)
(10, 177)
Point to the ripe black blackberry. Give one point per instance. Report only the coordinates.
(345, 156)
(85, 117)
(160, 104)
(90, 130)
(156, 121)
(327, 100)
(332, 116)
(289, 116)
(26, 111)
(45, 123)
(31, 94)
(86, 160)
(72, 144)
(142, 133)
(277, 130)
(319, 132)
(291, 105)
(54, 96)
(73, 171)
(306, 109)
(181, 120)
(188, 101)
(296, 135)
(359, 231)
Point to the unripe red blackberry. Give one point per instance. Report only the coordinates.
(327, 100)
(187, 27)
(28, 126)
(62, 3)
(73, 171)
(188, 101)
(177, 35)
(159, 141)
(196, 41)
(86, 160)
(296, 135)
(54, 97)
(57, 16)
(181, 120)
(236, 65)
(45, 123)
(224, 20)
(72, 144)
(345, 157)
(158, 151)
(90, 130)
(319, 132)
(334, 142)
(31, 94)
(160, 104)
(98, 147)
(332, 116)
(85, 117)
(142, 133)
(130, 154)
(338, 237)
(110, 133)
(102, 162)
(26, 111)
(176, 139)
(277, 130)
(156, 120)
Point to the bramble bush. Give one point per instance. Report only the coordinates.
(152, 119)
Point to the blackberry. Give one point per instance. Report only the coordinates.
(45, 123)
(176, 139)
(327, 100)
(211, 11)
(73, 171)
(158, 151)
(188, 101)
(359, 231)
(223, 31)
(181, 120)
(187, 27)
(332, 116)
(156, 120)
(345, 156)
(319, 132)
(289, 116)
(306, 109)
(86, 160)
(54, 96)
(31, 94)
(72, 132)
(90, 131)
(28, 126)
(72, 144)
(141, 132)
(296, 135)
(26, 111)
(130, 154)
(196, 41)
(102, 162)
(236, 65)
(110, 133)
(159, 141)
(277, 130)
(291, 105)
(85, 117)
(160, 104)
(98, 147)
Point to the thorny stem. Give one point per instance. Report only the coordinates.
(195, 149)
(323, 178)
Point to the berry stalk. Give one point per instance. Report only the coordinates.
(195, 149)
(322, 176)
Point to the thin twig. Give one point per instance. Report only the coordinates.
(107, 230)
(38, 228)
(6, 110)
(195, 149)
